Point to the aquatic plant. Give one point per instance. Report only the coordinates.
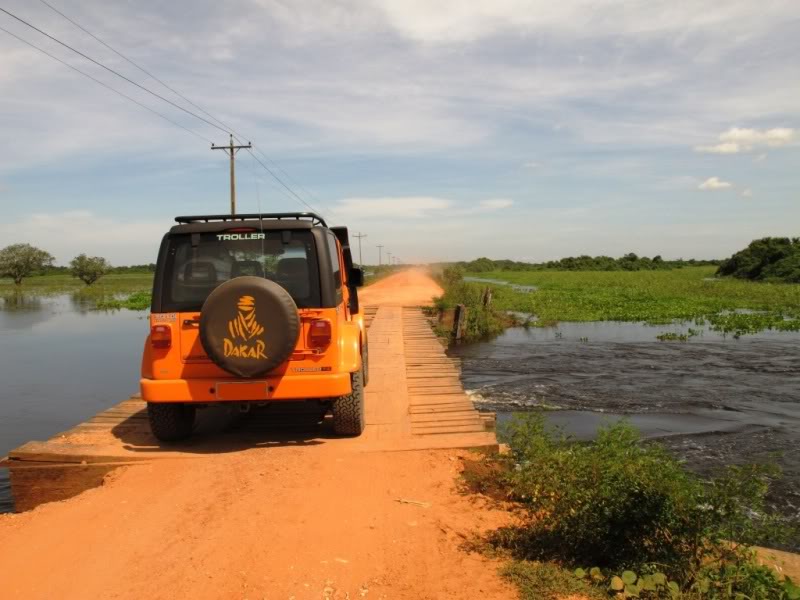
(135, 301)
(671, 336)
(656, 297)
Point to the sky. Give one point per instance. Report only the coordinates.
(443, 130)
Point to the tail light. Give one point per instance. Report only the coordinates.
(320, 333)
(161, 336)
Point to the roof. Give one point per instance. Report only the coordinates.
(261, 221)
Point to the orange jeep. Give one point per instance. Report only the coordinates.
(254, 308)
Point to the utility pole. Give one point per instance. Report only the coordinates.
(389, 257)
(360, 235)
(231, 150)
(380, 255)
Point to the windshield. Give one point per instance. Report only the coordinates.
(198, 263)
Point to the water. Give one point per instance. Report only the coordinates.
(712, 400)
(60, 363)
(527, 289)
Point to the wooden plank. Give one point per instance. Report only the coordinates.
(446, 430)
(53, 452)
(449, 418)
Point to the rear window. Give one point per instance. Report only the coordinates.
(198, 263)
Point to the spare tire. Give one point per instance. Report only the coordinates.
(249, 326)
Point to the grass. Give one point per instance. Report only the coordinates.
(656, 297)
(617, 517)
(547, 581)
(124, 290)
(135, 301)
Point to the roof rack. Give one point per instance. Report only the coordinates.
(315, 218)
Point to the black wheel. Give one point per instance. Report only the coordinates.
(348, 411)
(170, 422)
(365, 364)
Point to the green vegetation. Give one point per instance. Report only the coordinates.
(629, 262)
(122, 270)
(89, 268)
(135, 301)
(112, 291)
(776, 259)
(687, 295)
(482, 318)
(671, 336)
(19, 261)
(625, 519)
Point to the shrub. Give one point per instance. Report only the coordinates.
(618, 504)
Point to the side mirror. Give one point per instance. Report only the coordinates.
(356, 277)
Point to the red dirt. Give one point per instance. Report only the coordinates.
(413, 287)
(281, 522)
(315, 520)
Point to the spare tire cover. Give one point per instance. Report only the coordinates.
(249, 325)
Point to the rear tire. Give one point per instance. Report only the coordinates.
(348, 411)
(171, 422)
(365, 364)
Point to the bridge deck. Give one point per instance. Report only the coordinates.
(414, 401)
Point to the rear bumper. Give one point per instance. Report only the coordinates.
(294, 387)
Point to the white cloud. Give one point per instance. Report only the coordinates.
(747, 193)
(496, 203)
(456, 21)
(714, 183)
(748, 138)
(413, 207)
(531, 164)
(403, 207)
(722, 148)
(737, 139)
(67, 234)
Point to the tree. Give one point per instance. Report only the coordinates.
(766, 258)
(89, 268)
(22, 260)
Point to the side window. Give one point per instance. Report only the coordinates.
(332, 250)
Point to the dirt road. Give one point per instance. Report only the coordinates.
(413, 287)
(300, 519)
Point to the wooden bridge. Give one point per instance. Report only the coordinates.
(414, 401)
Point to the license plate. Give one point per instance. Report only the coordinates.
(242, 390)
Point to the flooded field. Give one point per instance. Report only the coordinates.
(713, 400)
(62, 363)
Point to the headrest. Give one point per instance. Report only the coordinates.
(198, 271)
(247, 267)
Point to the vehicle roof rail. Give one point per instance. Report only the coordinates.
(289, 216)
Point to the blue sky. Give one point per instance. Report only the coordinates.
(443, 130)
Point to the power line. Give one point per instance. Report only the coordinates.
(239, 137)
(279, 180)
(137, 65)
(110, 70)
(149, 91)
(105, 85)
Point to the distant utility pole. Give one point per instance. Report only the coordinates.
(360, 235)
(232, 150)
(380, 255)
(389, 257)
